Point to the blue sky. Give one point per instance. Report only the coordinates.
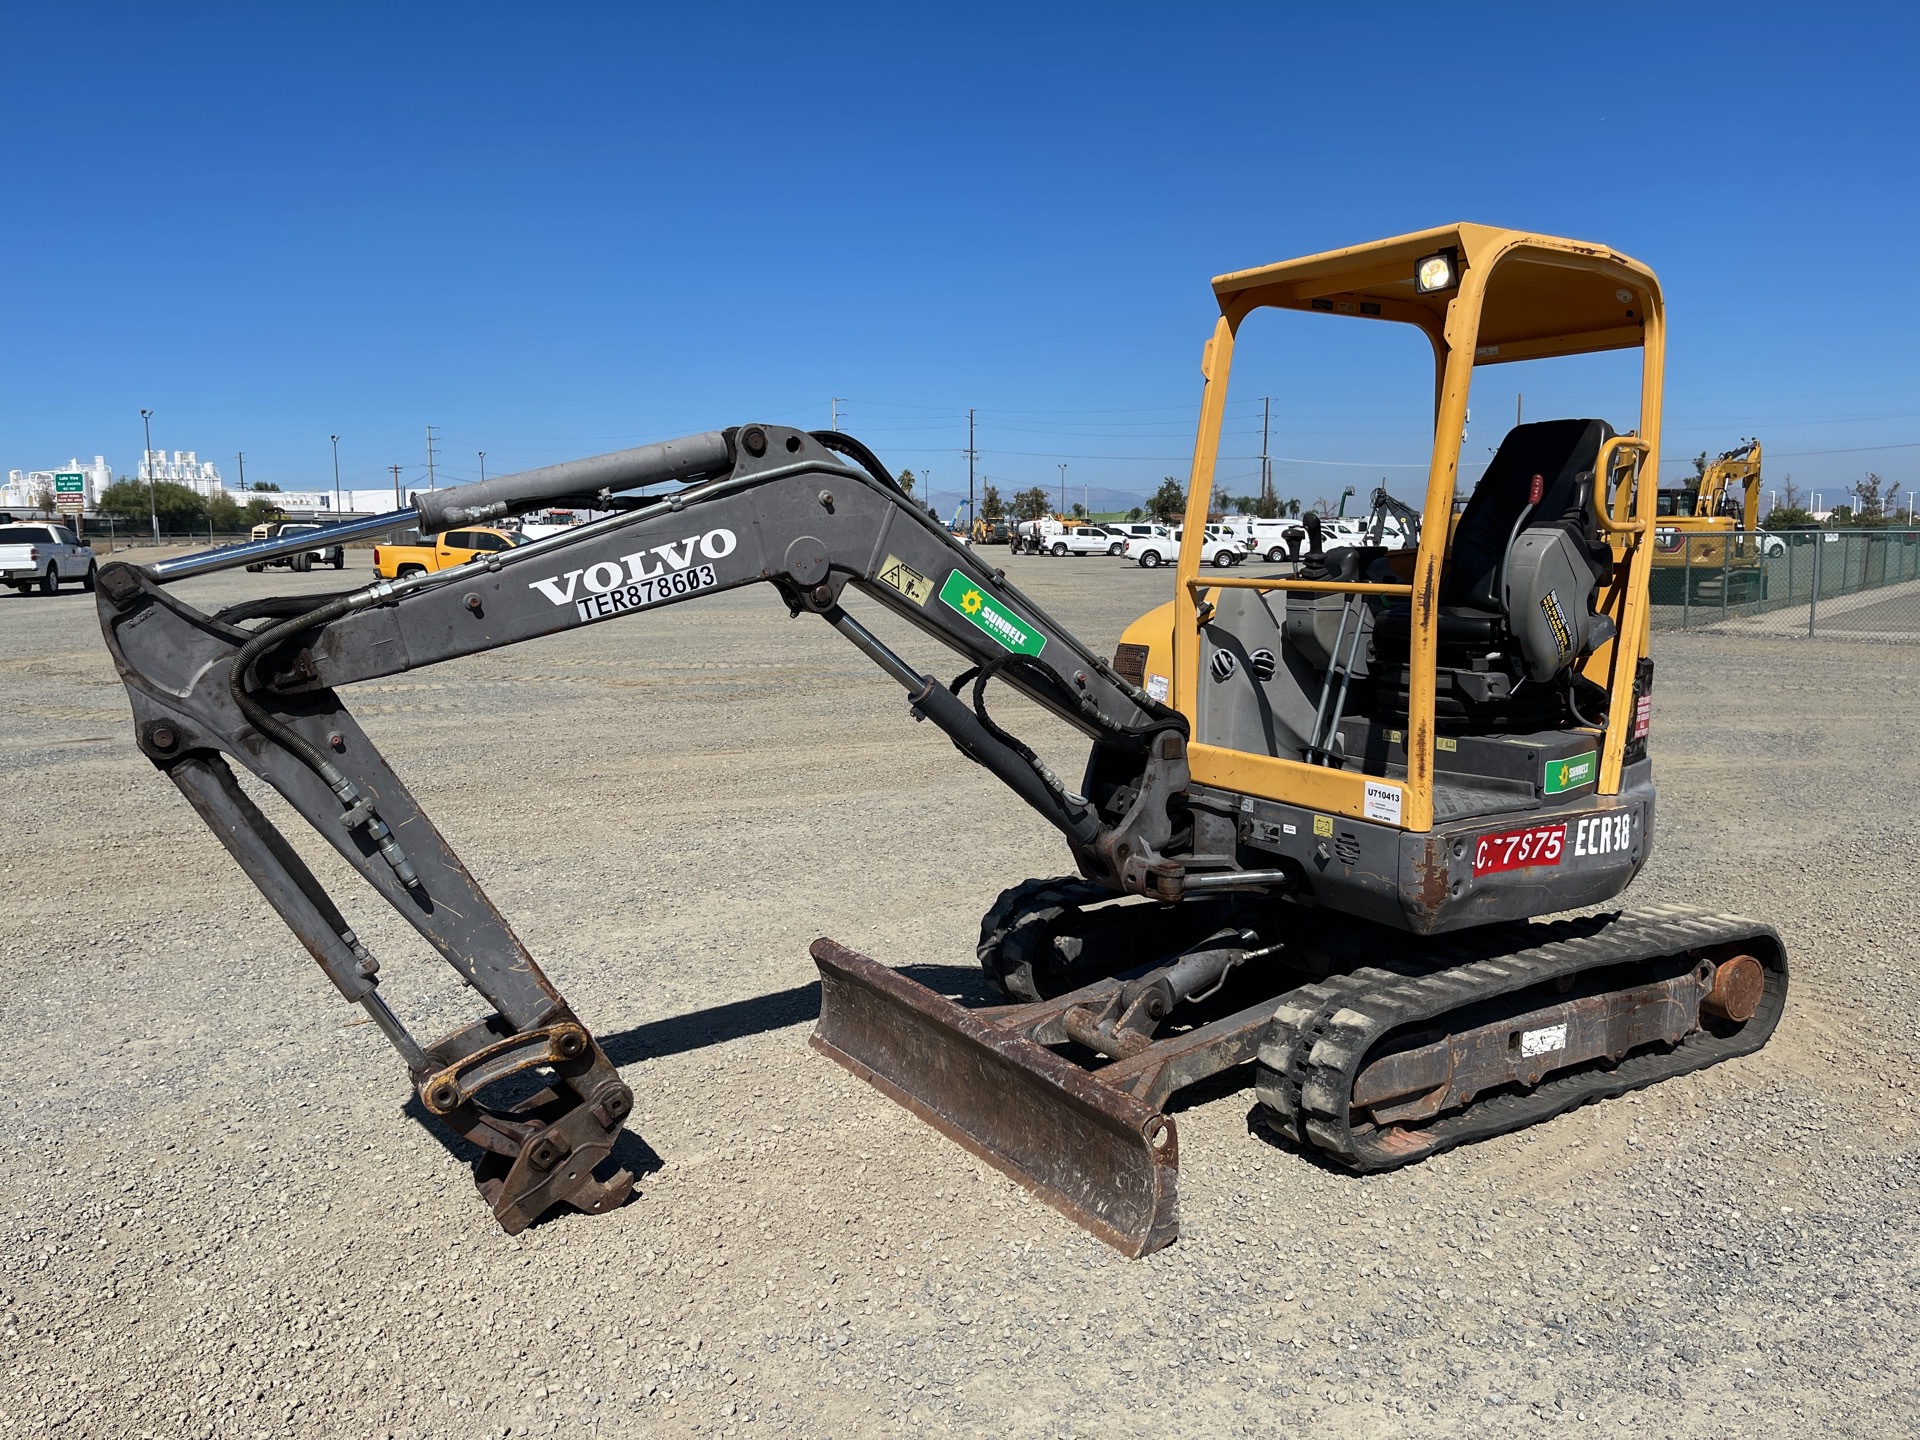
(552, 231)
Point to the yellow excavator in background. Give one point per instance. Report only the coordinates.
(1707, 540)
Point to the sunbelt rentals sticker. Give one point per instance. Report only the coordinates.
(973, 604)
(1564, 775)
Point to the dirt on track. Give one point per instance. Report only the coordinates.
(220, 1216)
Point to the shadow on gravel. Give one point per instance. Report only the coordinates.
(783, 1008)
(713, 1026)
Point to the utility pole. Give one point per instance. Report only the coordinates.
(972, 454)
(241, 457)
(1519, 404)
(430, 481)
(833, 406)
(336, 473)
(153, 480)
(1266, 465)
(397, 501)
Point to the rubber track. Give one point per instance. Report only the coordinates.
(1020, 905)
(1321, 1034)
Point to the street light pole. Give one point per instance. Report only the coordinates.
(483, 466)
(336, 473)
(1063, 488)
(153, 502)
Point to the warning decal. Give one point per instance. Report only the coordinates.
(901, 576)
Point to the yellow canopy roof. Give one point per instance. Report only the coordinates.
(1542, 295)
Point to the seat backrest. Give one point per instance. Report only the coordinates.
(1563, 453)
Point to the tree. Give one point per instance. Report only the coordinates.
(1875, 500)
(1135, 513)
(1079, 511)
(230, 518)
(43, 500)
(178, 507)
(1791, 513)
(224, 515)
(1030, 504)
(992, 508)
(1169, 502)
(264, 487)
(1699, 467)
(907, 478)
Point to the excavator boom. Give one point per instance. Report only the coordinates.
(757, 505)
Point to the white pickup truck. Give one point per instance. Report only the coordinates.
(333, 555)
(1082, 540)
(1217, 548)
(43, 557)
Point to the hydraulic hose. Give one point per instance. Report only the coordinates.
(844, 443)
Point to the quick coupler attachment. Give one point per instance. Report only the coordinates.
(544, 1149)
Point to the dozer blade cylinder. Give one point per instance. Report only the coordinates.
(1105, 1160)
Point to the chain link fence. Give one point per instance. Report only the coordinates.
(1841, 584)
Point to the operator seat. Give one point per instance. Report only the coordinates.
(1524, 573)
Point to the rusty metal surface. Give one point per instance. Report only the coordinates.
(1186, 1059)
(1324, 1036)
(1420, 1082)
(1738, 984)
(1102, 1157)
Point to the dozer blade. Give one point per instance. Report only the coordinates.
(1107, 1161)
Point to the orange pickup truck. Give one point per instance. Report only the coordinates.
(455, 547)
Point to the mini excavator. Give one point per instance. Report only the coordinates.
(1321, 819)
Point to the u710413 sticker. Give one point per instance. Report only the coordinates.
(1382, 802)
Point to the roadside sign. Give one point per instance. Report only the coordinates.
(70, 490)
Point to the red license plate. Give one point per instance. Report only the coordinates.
(1519, 849)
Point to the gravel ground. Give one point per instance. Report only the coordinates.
(218, 1217)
